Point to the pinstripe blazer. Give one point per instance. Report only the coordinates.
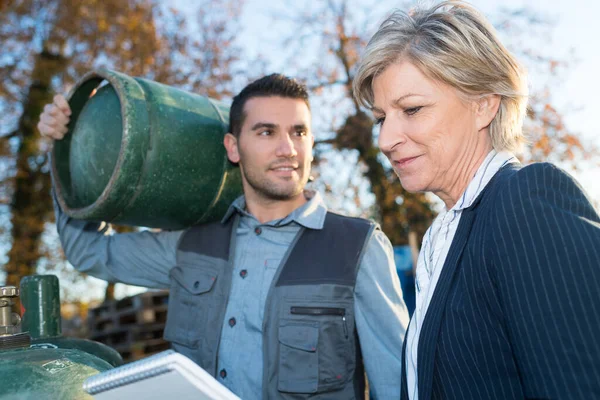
(516, 311)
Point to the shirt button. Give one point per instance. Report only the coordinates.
(258, 231)
(223, 373)
(243, 273)
(196, 284)
(232, 322)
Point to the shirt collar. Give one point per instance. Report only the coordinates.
(493, 162)
(310, 215)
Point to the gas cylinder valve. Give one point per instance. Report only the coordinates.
(10, 322)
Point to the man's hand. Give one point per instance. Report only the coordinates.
(54, 119)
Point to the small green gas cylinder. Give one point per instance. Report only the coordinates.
(36, 361)
(141, 153)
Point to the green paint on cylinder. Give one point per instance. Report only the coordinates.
(145, 154)
(40, 299)
(51, 367)
(90, 175)
(47, 373)
(97, 349)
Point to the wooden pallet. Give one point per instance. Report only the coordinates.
(135, 351)
(108, 321)
(133, 325)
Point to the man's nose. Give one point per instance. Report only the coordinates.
(286, 147)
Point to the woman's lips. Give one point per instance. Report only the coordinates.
(404, 162)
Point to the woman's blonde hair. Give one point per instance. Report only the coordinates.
(453, 43)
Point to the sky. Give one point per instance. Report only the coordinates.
(574, 38)
(576, 28)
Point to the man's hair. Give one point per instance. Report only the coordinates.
(267, 86)
(453, 43)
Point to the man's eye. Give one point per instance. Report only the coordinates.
(413, 110)
(265, 133)
(301, 133)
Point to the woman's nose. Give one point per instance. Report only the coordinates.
(390, 135)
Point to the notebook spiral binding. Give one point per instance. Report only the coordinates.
(124, 375)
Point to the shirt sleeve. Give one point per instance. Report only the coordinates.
(139, 258)
(546, 253)
(381, 317)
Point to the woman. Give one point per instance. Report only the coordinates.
(507, 277)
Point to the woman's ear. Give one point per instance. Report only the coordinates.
(486, 109)
(231, 145)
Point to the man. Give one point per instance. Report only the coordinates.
(281, 299)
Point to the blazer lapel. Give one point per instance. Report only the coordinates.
(431, 325)
(403, 384)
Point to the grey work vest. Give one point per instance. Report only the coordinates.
(310, 344)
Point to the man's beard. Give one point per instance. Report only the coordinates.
(268, 190)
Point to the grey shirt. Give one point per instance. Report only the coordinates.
(145, 259)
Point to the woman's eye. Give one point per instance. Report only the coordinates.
(412, 110)
(379, 121)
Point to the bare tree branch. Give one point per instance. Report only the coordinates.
(10, 134)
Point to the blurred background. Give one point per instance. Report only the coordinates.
(214, 48)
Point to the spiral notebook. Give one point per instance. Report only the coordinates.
(166, 375)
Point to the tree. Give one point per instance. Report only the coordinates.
(340, 30)
(65, 37)
(48, 45)
(339, 34)
(549, 138)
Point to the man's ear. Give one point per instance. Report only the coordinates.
(231, 145)
(486, 109)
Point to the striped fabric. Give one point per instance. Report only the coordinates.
(516, 310)
(436, 244)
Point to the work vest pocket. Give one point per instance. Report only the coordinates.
(336, 347)
(298, 357)
(190, 302)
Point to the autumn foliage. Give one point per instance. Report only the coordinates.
(48, 44)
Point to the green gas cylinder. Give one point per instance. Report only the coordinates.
(40, 372)
(141, 153)
(40, 306)
(36, 361)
